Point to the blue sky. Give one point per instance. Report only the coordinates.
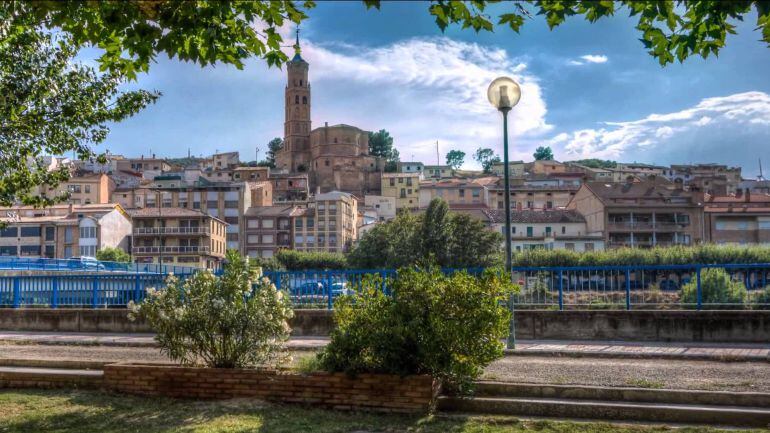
(588, 90)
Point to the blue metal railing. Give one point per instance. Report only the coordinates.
(558, 288)
(45, 264)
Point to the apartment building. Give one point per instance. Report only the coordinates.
(715, 179)
(545, 167)
(648, 213)
(454, 191)
(515, 169)
(624, 170)
(289, 187)
(591, 173)
(178, 236)
(149, 167)
(438, 171)
(64, 231)
(741, 218)
(383, 207)
(552, 229)
(83, 188)
(327, 224)
(405, 187)
(268, 229)
(410, 167)
(251, 173)
(530, 196)
(224, 200)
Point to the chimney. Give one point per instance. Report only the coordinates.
(748, 195)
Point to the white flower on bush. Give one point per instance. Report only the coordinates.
(235, 320)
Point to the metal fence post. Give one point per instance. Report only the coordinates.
(55, 293)
(698, 291)
(137, 288)
(561, 290)
(628, 289)
(329, 290)
(16, 292)
(95, 292)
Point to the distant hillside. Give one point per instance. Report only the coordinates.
(596, 163)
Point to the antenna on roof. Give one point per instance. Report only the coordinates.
(760, 177)
(438, 158)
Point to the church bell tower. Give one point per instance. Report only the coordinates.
(295, 155)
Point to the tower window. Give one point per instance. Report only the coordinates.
(326, 163)
(300, 83)
(296, 99)
(304, 99)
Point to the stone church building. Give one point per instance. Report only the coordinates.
(335, 157)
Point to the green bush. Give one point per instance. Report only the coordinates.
(236, 320)
(292, 260)
(448, 326)
(109, 254)
(761, 300)
(716, 288)
(677, 255)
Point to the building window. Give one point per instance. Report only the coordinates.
(267, 239)
(310, 223)
(299, 240)
(50, 233)
(589, 246)
(563, 229)
(211, 204)
(298, 223)
(9, 232)
(88, 250)
(67, 252)
(462, 192)
(267, 224)
(231, 220)
(392, 182)
(304, 100)
(30, 232)
(87, 233)
(296, 99)
(253, 223)
(476, 193)
(530, 231)
(29, 250)
(548, 231)
(570, 246)
(253, 239)
(231, 204)
(9, 251)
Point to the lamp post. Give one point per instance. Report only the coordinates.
(504, 93)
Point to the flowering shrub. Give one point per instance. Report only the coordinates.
(236, 320)
(448, 326)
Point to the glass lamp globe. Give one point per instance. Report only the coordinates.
(504, 93)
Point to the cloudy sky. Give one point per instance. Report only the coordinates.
(588, 90)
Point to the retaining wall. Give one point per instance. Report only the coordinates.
(376, 392)
(635, 325)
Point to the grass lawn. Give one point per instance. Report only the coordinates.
(90, 411)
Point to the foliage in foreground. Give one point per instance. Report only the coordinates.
(236, 320)
(448, 326)
(96, 412)
(716, 288)
(677, 255)
(110, 254)
(439, 237)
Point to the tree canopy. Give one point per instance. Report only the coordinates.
(486, 157)
(669, 30)
(381, 144)
(455, 158)
(439, 237)
(273, 147)
(52, 105)
(543, 154)
(596, 163)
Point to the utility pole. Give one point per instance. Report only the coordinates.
(160, 232)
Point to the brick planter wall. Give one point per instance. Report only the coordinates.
(411, 394)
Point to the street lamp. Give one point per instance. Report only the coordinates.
(504, 94)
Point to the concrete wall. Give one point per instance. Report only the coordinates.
(645, 325)
(304, 323)
(683, 326)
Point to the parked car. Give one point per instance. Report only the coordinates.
(85, 262)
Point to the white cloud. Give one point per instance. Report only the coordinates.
(423, 90)
(738, 122)
(594, 58)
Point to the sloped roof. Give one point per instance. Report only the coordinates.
(555, 216)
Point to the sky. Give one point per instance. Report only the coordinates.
(588, 91)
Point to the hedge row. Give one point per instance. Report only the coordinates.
(679, 255)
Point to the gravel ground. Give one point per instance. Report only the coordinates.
(647, 373)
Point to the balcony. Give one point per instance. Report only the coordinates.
(147, 231)
(170, 250)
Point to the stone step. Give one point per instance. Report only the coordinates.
(622, 394)
(607, 410)
(30, 377)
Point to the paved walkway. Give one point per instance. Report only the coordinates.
(609, 349)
